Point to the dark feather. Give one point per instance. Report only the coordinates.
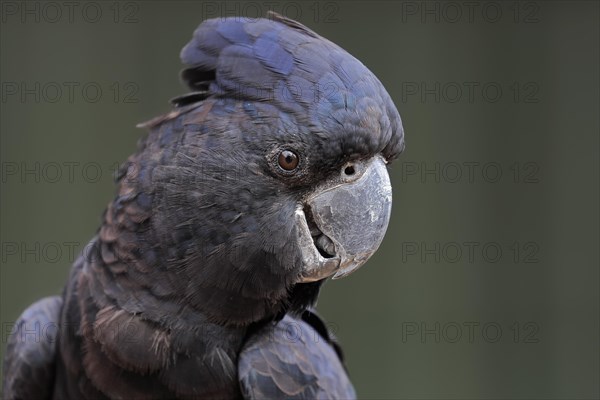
(292, 360)
(29, 367)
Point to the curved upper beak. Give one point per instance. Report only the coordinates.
(347, 219)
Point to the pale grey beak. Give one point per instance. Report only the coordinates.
(346, 218)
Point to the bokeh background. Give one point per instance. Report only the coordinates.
(486, 285)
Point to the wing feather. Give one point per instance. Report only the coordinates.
(292, 359)
(30, 361)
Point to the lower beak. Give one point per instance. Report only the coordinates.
(346, 219)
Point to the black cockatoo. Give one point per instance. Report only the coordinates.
(266, 179)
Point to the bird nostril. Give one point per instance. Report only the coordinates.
(349, 170)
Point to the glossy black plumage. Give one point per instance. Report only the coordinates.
(189, 284)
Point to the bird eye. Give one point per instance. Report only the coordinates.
(288, 160)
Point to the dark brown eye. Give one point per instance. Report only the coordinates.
(288, 160)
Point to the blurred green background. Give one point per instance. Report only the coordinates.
(486, 285)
